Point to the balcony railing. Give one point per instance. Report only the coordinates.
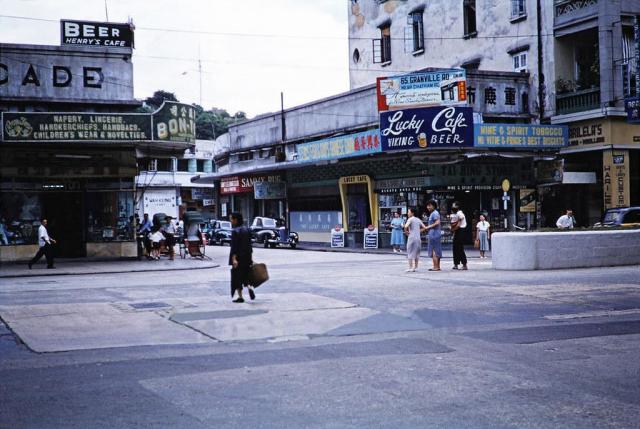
(578, 101)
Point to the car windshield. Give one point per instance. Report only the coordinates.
(268, 223)
(225, 225)
(611, 216)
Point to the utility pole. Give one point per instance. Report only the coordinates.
(200, 73)
(283, 123)
(106, 10)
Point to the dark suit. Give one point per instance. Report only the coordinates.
(243, 251)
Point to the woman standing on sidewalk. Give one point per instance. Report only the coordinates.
(413, 228)
(397, 239)
(483, 228)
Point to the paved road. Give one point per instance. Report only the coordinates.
(333, 340)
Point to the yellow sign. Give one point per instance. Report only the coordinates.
(350, 180)
(603, 131)
(527, 201)
(506, 185)
(615, 176)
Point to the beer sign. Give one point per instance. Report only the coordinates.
(89, 33)
(427, 128)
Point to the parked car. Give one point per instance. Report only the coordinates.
(220, 232)
(265, 231)
(624, 216)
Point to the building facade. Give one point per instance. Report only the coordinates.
(69, 147)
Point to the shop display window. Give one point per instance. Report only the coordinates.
(109, 216)
(20, 215)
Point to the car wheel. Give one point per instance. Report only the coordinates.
(273, 245)
(293, 245)
(266, 244)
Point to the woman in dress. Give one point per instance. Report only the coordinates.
(483, 228)
(413, 228)
(397, 239)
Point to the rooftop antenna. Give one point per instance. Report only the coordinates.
(106, 10)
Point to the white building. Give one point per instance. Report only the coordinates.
(164, 183)
(391, 37)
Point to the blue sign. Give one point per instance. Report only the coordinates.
(632, 106)
(427, 128)
(349, 145)
(504, 136)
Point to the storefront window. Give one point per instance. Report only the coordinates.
(109, 216)
(20, 215)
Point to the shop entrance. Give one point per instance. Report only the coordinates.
(64, 211)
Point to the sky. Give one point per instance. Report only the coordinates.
(250, 50)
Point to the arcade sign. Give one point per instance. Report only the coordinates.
(90, 33)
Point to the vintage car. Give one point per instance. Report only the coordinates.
(620, 217)
(266, 231)
(219, 232)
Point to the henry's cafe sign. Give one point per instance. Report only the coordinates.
(241, 184)
(426, 128)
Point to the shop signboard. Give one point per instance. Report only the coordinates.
(357, 144)
(242, 184)
(175, 122)
(527, 201)
(160, 201)
(615, 175)
(406, 184)
(427, 128)
(208, 202)
(269, 190)
(337, 236)
(632, 106)
(317, 221)
(171, 122)
(504, 136)
(43, 127)
(550, 172)
(442, 87)
(370, 240)
(90, 33)
(201, 193)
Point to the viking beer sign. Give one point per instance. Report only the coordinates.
(89, 33)
(427, 128)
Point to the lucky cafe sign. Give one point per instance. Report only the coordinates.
(427, 128)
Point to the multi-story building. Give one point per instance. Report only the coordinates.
(596, 61)
(70, 140)
(164, 184)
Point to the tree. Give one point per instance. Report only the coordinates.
(159, 97)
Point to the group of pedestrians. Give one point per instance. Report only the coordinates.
(413, 227)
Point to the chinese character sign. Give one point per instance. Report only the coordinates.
(175, 122)
(363, 143)
(427, 128)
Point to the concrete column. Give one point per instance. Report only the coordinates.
(610, 41)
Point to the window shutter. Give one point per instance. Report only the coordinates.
(408, 39)
(377, 51)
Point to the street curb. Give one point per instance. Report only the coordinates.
(67, 273)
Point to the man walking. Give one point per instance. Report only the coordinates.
(45, 243)
(240, 257)
(459, 229)
(434, 246)
(566, 221)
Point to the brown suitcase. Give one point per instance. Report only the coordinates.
(258, 274)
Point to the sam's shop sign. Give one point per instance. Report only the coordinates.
(427, 128)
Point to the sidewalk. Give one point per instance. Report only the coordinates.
(65, 267)
(447, 253)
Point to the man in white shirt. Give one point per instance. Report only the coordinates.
(45, 242)
(459, 229)
(566, 221)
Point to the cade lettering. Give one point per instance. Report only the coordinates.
(61, 76)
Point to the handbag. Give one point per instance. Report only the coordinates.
(258, 274)
(476, 244)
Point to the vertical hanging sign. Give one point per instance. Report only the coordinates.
(615, 176)
(636, 36)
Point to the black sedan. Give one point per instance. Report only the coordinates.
(219, 232)
(265, 231)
